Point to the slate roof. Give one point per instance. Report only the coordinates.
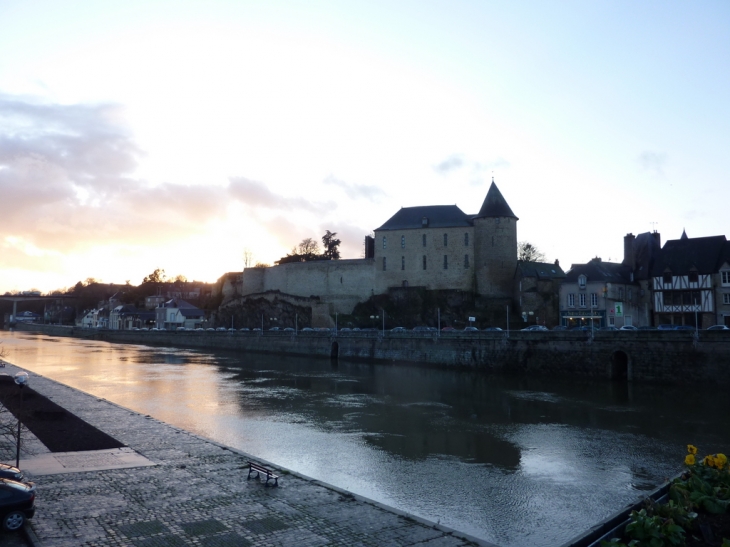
(645, 249)
(540, 270)
(681, 255)
(439, 216)
(448, 216)
(495, 205)
(597, 270)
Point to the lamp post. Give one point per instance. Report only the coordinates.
(21, 379)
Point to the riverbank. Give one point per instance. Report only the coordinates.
(195, 492)
(657, 357)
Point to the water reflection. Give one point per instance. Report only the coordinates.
(514, 460)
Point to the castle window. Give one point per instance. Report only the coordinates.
(466, 261)
(384, 267)
(466, 239)
(582, 300)
(582, 281)
(446, 240)
(594, 300)
(571, 300)
(403, 263)
(446, 262)
(402, 242)
(424, 262)
(424, 240)
(385, 242)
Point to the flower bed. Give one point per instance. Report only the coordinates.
(695, 515)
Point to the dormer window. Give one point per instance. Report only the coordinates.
(667, 278)
(424, 221)
(582, 281)
(693, 276)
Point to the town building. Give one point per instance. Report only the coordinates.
(691, 282)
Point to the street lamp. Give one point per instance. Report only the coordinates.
(21, 379)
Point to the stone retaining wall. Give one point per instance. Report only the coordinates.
(673, 357)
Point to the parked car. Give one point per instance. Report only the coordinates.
(609, 327)
(245, 329)
(17, 503)
(536, 327)
(718, 327)
(289, 329)
(221, 329)
(560, 327)
(274, 328)
(398, 329)
(583, 328)
(646, 327)
(493, 328)
(471, 329)
(629, 327)
(345, 329)
(10, 472)
(684, 327)
(307, 329)
(447, 329)
(666, 326)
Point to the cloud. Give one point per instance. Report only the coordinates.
(254, 194)
(356, 191)
(452, 163)
(653, 162)
(476, 169)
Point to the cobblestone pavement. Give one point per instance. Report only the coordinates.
(197, 495)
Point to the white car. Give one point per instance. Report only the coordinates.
(629, 327)
(718, 327)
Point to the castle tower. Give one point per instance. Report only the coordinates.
(495, 246)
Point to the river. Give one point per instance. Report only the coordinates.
(513, 460)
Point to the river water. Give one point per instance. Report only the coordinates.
(513, 460)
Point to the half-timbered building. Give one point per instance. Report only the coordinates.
(687, 282)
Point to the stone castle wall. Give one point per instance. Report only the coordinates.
(340, 283)
(404, 253)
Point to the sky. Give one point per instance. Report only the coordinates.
(182, 135)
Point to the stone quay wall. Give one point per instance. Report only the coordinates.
(672, 357)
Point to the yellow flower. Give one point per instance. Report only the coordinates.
(709, 461)
(689, 459)
(691, 449)
(720, 460)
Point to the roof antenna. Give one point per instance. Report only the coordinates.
(653, 226)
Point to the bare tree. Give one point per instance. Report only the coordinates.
(308, 248)
(247, 258)
(527, 252)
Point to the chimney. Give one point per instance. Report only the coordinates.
(629, 259)
(657, 238)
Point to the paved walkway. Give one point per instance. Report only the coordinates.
(183, 490)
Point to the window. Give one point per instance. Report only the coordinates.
(667, 278)
(725, 276)
(466, 239)
(424, 262)
(571, 300)
(424, 240)
(384, 268)
(385, 242)
(582, 281)
(582, 300)
(403, 263)
(402, 242)
(621, 293)
(594, 300)
(611, 321)
(726, 298)
(446, 240)
(693, 276)
(466, 261)
(446, 262)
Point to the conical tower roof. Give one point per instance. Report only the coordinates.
(495, 205)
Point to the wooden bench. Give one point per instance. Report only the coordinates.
(255, 467)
